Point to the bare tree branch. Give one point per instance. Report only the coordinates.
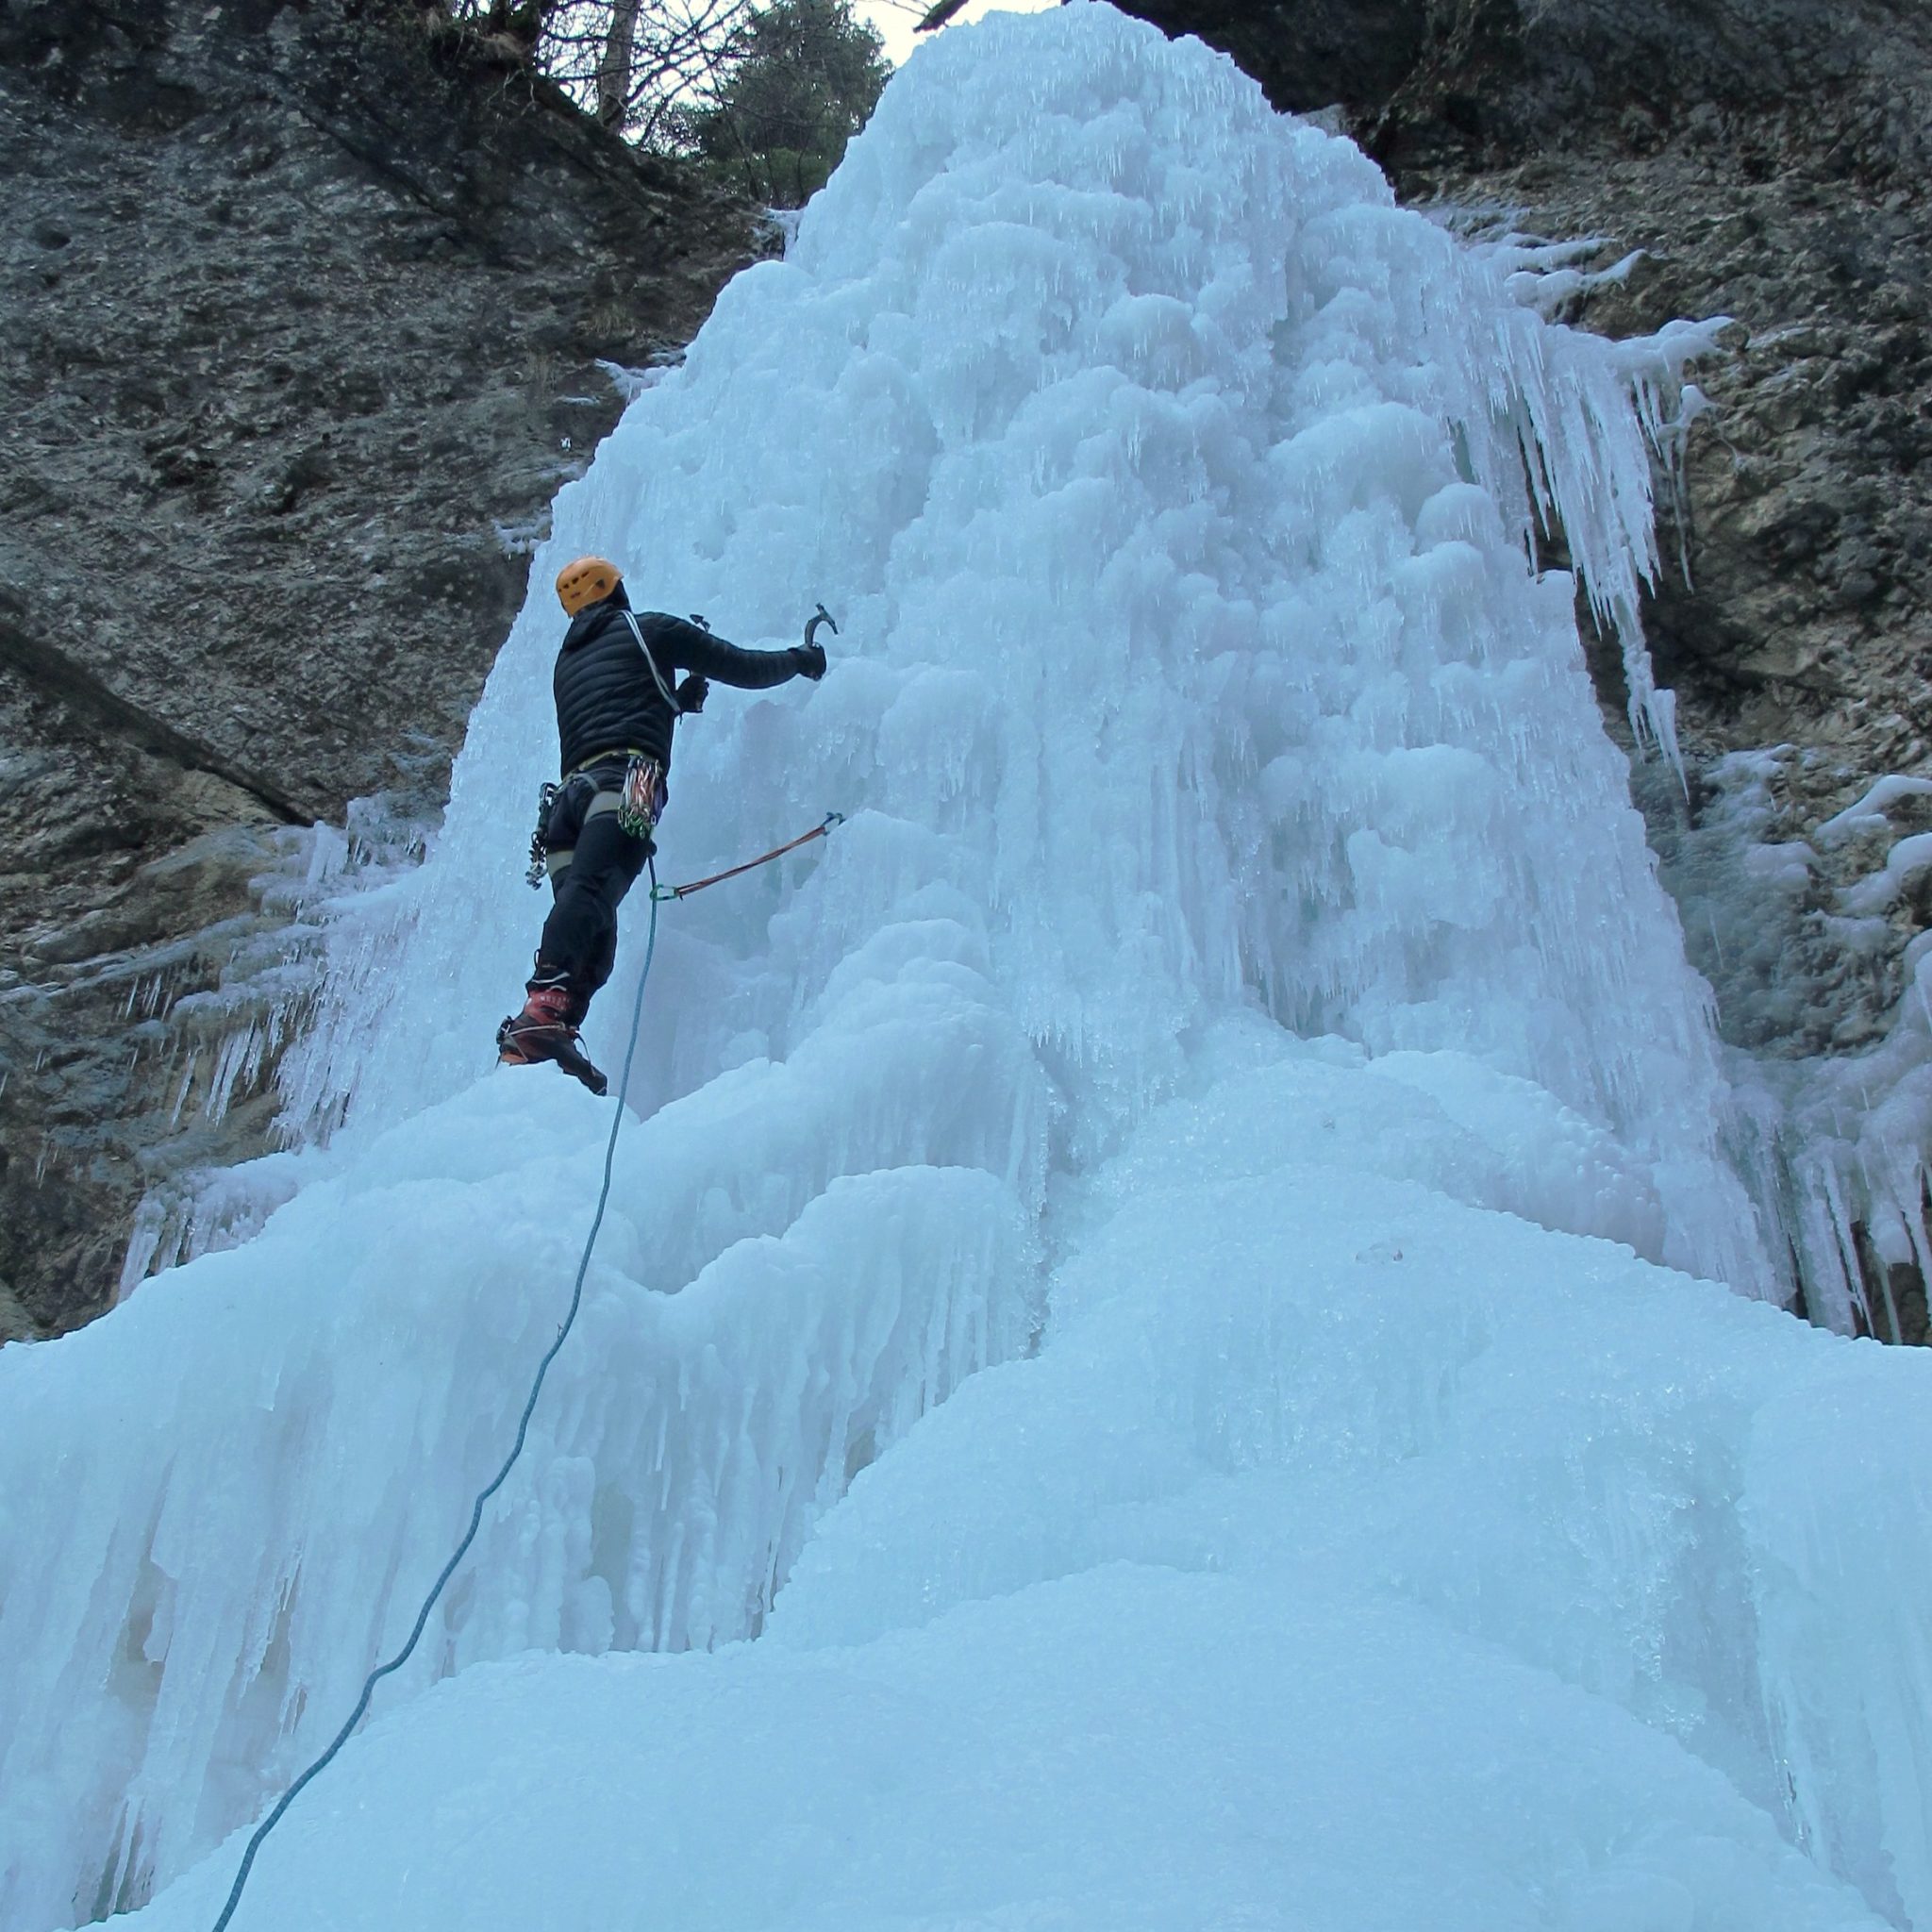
(614, 75)
(938, 16)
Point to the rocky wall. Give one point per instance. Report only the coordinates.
(304, 310)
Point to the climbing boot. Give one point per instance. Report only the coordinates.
(544, 1031)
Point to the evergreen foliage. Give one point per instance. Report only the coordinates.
(804, 77)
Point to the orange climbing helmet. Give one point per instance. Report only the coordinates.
(588, 580)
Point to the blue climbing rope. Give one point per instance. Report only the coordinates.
(496, 1482)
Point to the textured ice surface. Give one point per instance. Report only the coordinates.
(1242, 974)
(1838, 1142)
(1348, 1558)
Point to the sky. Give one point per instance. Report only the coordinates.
(895, 19)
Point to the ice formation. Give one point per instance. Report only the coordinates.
(1135, 1377)
(1836, 1142)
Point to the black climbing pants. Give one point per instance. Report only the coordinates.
(603, 861)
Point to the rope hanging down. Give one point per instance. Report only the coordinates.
(576, 1295)
(496, 1482)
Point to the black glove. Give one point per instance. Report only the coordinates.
(810, 661)
(693, 693)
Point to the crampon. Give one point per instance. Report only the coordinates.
(528, 1038)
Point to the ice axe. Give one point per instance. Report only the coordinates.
(811, 625)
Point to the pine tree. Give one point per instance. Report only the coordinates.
(804, 78)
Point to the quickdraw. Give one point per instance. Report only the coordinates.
(642, 796)
(832, 819)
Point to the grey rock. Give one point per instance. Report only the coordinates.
(304, 310)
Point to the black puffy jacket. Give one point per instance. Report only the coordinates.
(607, 698)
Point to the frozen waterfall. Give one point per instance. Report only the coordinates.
(1145, 1369)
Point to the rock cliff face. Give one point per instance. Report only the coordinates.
(304, 309)
(1770, 160)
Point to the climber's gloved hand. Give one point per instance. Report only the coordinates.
(693, 693)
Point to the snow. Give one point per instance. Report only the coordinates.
(1144, 1366)
(1867, 813)
(1905, 863)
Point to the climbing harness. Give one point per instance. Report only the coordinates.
(496, 1482)
(832, 819)
(638, 800)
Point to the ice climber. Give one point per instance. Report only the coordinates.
(616, 707)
